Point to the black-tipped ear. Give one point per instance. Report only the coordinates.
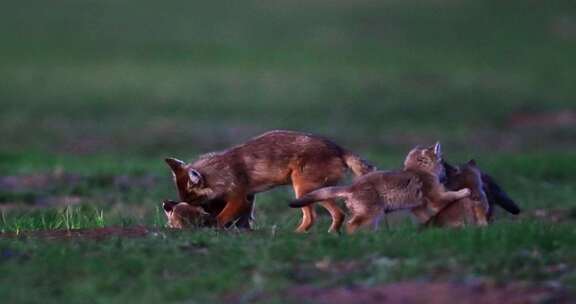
(438, 149)
(194, 177)
(472, 162)
(168, 205)
(175, 164)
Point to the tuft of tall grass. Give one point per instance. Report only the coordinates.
(69, 217)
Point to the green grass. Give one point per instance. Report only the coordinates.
(206, 265)
(64, 218)
(190, 76)
(101, 91)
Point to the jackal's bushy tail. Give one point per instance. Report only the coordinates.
(358, 166)
(319, 195)
(496, 195)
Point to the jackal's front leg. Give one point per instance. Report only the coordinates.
(246, 219)
(234, 208)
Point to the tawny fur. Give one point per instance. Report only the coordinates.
(373, 195)
(305, 161)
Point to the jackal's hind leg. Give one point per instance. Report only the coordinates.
(308, 218)
(357, 222)
(304, 184)
(336, 213)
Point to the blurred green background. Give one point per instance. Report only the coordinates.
(148, 79)
(95, 93)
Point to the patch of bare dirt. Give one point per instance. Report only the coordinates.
(564, 27)
(429, 293)
(327, 268)
(87, 233)
(37, 181)
(564, 118)
(58, 178)
(552, 215)
(58, 188)
(42, 202)
(328, 265)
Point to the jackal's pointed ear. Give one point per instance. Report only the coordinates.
(472, 163)
(175, 164)
(194, 177)
(168, 205)
(438, 149)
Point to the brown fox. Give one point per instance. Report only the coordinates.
(305, 161)
(478, 208)
(369, 197)
(469, 211)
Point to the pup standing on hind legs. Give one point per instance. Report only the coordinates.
(373, 195)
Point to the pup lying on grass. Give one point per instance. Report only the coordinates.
(183, 215)
(307, 162)
(373, 195)
(477, 209)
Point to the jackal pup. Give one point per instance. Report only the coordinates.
(183, 215)
(369, 197)
(469, 211)
(201, 215)
(305, 161)
(479, 207)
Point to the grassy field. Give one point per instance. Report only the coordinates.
(94, 94)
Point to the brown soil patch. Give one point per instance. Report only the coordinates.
(558, 215)
(37, 181)
(86, 233)
(564, 118)
(58, 178)
(52, 189)
(429, 293)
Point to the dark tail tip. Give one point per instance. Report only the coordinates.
(498, 196)
(510, 206)
(299, 203)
